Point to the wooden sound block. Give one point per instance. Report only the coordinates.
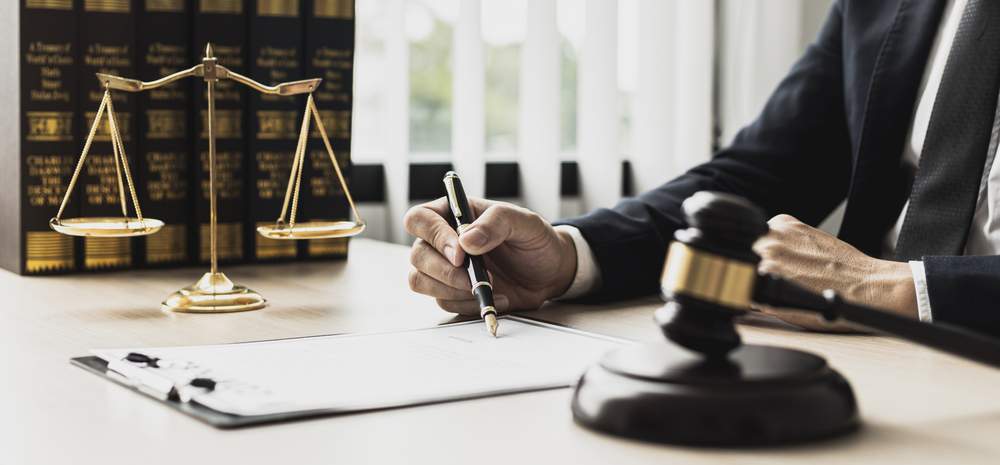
(758, 396)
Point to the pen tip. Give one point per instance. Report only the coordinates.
(492, 324)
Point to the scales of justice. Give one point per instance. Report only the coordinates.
(214, 292)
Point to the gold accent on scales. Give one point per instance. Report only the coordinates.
(214, 292)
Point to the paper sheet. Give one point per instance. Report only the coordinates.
(369, 371)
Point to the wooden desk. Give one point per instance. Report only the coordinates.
(918, 406)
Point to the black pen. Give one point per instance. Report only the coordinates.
(481, 286)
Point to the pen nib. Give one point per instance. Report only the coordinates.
(492, 324)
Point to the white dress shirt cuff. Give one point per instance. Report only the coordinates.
(923, 297)
(588, 276)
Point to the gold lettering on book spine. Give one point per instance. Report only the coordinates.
(167, 176)
(49, 4)
(47, 251)
(339, 9)
(230, 241)
(167, 246)
(221, 6)
(277, 124)
(165, 6)
(228, 182)
(322, 184)
(46, 178)
(107, 6)
(271, 168)
(166, 124)
(124, 120)
(339, 121)
(228, 124)
(285, 8)
(104, 189)
(106, 252)
(50, 126)
(328, 248)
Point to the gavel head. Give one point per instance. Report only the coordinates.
(710, 273)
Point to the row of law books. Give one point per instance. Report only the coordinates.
(47, 115)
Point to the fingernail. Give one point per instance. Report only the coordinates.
(475, 238)
(449, 253)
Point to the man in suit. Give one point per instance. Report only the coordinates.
(893, 109)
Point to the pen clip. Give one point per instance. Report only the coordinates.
(449, 186)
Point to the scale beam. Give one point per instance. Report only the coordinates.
(305, 86)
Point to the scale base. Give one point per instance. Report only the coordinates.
(213, 293)
(758, 396)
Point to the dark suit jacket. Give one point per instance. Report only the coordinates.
(834, 129)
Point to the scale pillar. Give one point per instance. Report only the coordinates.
(214, 292)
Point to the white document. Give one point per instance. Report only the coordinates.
(369, 371)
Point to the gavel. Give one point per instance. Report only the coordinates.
(710, 278)
(706, 387)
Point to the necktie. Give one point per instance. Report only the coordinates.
(946, 188)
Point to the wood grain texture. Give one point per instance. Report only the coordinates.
(918, 406)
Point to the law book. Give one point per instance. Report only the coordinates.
(329, 52)
(223, 23)
(38, 126)
(275, 42)
(164, 156)
(107, 45)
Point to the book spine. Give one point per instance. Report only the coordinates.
(329, 52)
(164, 161)
(223, 24)
(276, 56)
(49, 97)
(107, 45)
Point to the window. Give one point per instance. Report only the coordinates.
(429, 28)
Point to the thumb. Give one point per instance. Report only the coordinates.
(498, 224)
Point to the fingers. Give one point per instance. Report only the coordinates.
(424, 284)
(471, 307)
(426, 221)
(427, 260)
(501, 222)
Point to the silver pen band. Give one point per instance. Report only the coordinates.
(487, 310)
(481, 283)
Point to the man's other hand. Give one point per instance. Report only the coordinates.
(819, 261)
(528, 260)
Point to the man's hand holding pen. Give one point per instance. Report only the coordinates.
(529, 261)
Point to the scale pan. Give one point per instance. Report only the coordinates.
(106, 226)
(312, 230)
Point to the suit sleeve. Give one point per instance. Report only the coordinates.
(964, 291)
(794, 158)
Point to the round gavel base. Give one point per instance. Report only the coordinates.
(758, 396)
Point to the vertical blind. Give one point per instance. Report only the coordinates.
(703, 69)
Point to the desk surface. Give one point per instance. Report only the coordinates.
(918, 406)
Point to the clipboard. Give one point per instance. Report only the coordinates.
(226, 420)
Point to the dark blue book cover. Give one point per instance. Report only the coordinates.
(223, 23)
(165, 149)
(49, 96)
(276, 56)
(329, 52)
(107, 45)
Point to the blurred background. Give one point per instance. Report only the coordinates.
(558, 105)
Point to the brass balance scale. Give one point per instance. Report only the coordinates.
(214, 292)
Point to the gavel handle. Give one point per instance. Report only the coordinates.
(955, 340)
